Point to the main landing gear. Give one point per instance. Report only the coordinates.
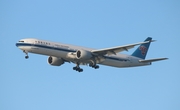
(94, 66)
(26, 57)
(77, 68)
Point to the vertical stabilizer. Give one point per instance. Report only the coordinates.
(142, 50)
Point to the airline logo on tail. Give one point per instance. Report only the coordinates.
(143, 50)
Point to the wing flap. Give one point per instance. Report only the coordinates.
(152, 60)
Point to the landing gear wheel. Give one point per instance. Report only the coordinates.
(80, 70)
(26, 57)
(96, 67)
(74, 68)
(77, 69)
(26, 54)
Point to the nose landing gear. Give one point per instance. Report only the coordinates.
(26, 57)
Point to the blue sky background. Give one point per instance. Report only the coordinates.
(34, 85)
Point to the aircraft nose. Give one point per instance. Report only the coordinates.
(16, 44)
(19, 46)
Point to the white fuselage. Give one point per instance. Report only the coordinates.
(60, 50)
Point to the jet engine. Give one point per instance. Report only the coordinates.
(83, 55)
(55, 61)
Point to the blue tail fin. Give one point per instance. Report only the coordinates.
(142, 50)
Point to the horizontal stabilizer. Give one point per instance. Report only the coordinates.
(152, 60)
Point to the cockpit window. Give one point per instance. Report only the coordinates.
(21, 41)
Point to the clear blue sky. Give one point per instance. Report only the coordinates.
(34, 85)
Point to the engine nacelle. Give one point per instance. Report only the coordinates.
(83, 55)
(55, 61)
(71, 55)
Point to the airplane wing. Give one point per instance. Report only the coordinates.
(118, 49)
(152, 60)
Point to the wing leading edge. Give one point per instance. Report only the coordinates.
(118, 49)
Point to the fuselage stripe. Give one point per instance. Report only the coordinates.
(45, 46)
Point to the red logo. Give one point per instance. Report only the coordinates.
(143, 50)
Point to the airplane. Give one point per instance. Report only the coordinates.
(59, 53)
